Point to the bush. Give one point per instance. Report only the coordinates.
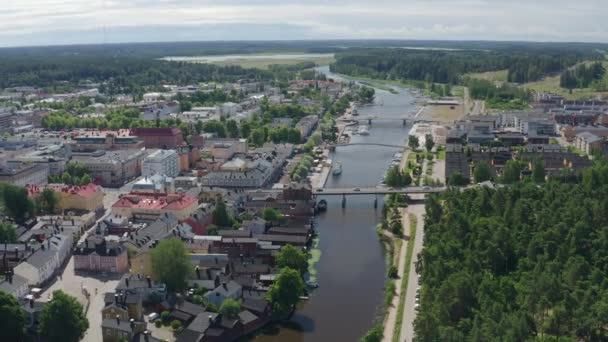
(158, 323)
(176, 325)
(164, 316)
(393, 272)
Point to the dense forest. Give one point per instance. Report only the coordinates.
(582, 76)
(520, 263)
(504, 97)
(449, 66)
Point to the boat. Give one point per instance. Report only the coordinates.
(322, 205)
(363, 130)
(337, 170)
(354, 111)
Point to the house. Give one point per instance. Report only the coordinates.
(112, 168)
(185, 311)
(588, 142)
(15, 285)
(165, 138)
(116, 330)
(138, 284)
(98, 254)
(150, 206)
(81, 197)
(126, 305)
(226, 290)
(196, 330)
(41, 265)
(164, 162)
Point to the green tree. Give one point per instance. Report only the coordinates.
(63, 319)
(171, 264)
(48, 201)
(8, 234)
(428, 142)
(232, 129)
(271, 215)
(538, 171)
(412, 142)
(482, 172)
(16, 202)
(85, 179)
(457, 179)
(66, 178)
(285, 292)
(230, 308)
(220, 215)
(12, 318)
(293, 258)
(176, 325)
(511, 172)
(375, 334)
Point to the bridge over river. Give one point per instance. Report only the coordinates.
(332, 147)
(377, 190)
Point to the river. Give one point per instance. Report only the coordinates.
(352, 269)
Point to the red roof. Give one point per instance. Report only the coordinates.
(142, 132)
(86, 191)
(155, 201)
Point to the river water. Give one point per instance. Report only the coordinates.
(352, 269)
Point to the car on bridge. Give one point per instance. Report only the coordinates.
(356, 189)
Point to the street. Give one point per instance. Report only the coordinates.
(409, 314)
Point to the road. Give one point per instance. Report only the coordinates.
(472, 107)
(409, 314)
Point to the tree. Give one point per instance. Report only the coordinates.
(171, 264)
(412, 142)
(85, 179)
(375, 334)
(482, 172)
(8, 234)
(220, 215)
(285, 292)
(16, 202)
(271, 215)
(176, 325)
(66, 178)
(293, 258)
(538, 171)
(428, 142)
(232, 129)
(63, 319)
(12, 318)
(230, 308)
(48, 201)
(457, 179)
(511, 172)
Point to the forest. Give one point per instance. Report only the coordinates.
(449, 66)
(504, 97)
(582, 76)
(524, 262)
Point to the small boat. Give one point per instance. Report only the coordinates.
(312, 284)
(354, 111)
(337, 170)
(363, 130)
(322, 205)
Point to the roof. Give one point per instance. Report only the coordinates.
(282, 238)
(228, 290)
(41, 257)
(86, 191)
(146, 132)
(202, 321)
(155, 201)
(189, 308)
(116, 325)
(247, 317)
(18, 281)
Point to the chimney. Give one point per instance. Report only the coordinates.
(208, 271)
(210, 319)
(198, 272)
(127, 282)
(116, 298)
(225, 286)
(146, 336)
(42, 246)
(132, 324)
(118, 319)
(31, 303)
(149, 281)
(215, 260)
(17, 253)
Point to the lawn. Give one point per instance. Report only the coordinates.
(494, 76)
(406, 272)
(265, 63)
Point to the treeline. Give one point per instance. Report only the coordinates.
(582, 76)
(520, 263)
(443, 66)
(121, 75)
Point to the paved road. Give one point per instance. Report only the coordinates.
(409, 314)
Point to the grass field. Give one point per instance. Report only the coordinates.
(406, 272)
(494, 76)
(265, 63)
(551, 84)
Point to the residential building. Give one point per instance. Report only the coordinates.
(82, 197)
(7, 117)
(138, 284)
(112, 168)
(160, 110)
(223, 149)
(41, 265)
(125, 305)
(163, 162)
(24, 174)
(165, 138)
(98, 254)
(149, 206)
(587, 142)
(225, 291)
(105, 141)
(154, 184)
(116, 330)
(307, 124)
(15, 285)
(569, 132)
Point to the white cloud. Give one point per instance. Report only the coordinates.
(27, 22)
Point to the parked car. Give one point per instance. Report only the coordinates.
(152, 317)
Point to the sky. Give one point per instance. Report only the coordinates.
(58, 22)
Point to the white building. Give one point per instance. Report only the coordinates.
(230, 109)
(164, 162)
(152, 97)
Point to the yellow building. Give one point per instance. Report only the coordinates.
(83, 197)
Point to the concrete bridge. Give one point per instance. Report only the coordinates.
(378, 190)
(332, 147)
